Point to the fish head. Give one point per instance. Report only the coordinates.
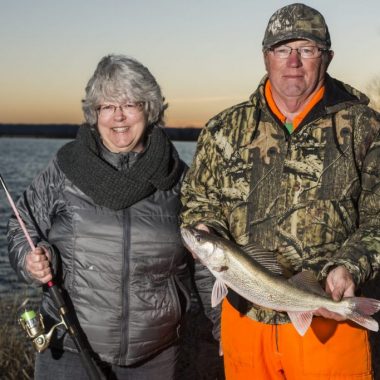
(204, 246)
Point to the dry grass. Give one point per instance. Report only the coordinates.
(16, 351)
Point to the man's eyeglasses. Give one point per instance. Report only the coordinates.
(284, 51)
(128, 109)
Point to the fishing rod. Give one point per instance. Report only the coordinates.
(33, 324)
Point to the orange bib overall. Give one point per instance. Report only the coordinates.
(328, 350)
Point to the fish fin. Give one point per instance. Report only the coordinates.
(365, 321)
(219, 291)
(301, 320)
(267, 259)
(306, 280)
(364, 307)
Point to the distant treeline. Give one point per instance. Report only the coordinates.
(69, 131)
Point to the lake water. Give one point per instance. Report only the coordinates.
(20, 160)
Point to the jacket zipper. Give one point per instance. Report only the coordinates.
(124, 323)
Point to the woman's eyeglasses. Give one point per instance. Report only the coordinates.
(128, 109)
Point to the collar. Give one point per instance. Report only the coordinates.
(317, 97)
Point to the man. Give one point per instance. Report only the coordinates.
(296, 171)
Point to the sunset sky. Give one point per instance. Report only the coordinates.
(206, 55)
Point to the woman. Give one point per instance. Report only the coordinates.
(104, 218)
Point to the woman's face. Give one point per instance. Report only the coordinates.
(122, 126)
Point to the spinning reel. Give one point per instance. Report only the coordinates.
(33, 324)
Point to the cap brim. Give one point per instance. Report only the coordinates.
(293, 36)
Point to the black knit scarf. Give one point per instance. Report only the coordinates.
(159, 167)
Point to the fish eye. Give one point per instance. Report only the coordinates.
(197, 236)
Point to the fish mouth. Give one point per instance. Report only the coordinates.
(188, 235)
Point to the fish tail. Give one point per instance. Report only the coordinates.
(365, 306)
(362, 308)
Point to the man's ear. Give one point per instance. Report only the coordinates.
(330, 57)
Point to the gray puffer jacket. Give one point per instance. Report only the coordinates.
(125, 271)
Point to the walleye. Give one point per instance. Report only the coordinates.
(299, 296)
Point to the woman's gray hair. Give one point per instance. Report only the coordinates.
(119, 78)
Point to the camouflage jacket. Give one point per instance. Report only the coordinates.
(312, 197)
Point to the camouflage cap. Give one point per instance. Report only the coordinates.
(296, 21)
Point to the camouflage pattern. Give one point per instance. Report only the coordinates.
(312, 197)
(296, 21)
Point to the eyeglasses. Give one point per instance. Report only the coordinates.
(307, 52)
(128, 109)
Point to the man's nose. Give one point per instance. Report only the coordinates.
(294, 58)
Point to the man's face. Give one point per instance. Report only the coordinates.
(294, 76)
